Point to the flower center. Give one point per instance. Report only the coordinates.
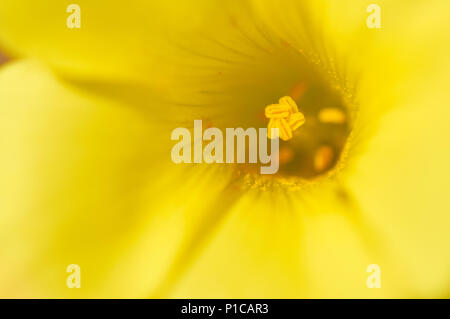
(241, 88)
(315, 147)
(284, 116)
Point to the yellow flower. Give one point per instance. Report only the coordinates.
(86, 176)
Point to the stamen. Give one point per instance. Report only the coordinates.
(285, 116)
(332, 115)
(277, 111)
(296, 120)
(287, 100)
(323, 158)
(285, 129)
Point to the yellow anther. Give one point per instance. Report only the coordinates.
(272, 125)
(287, 100)
(332, 115)
(285, 129)
(285, 116)
(296, 120)
(277, 111)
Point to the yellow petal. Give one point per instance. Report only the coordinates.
(286, 249)
(114, 42)
(69, 183)
(254, 254)
(86, 181)
(401, 182)
(401, 179)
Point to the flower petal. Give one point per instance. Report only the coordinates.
(87, 181)
(71, 171)
(116, 41)
(401, 178)
(401, 182)
(275, 246)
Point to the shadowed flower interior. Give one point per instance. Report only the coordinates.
(239, 81)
